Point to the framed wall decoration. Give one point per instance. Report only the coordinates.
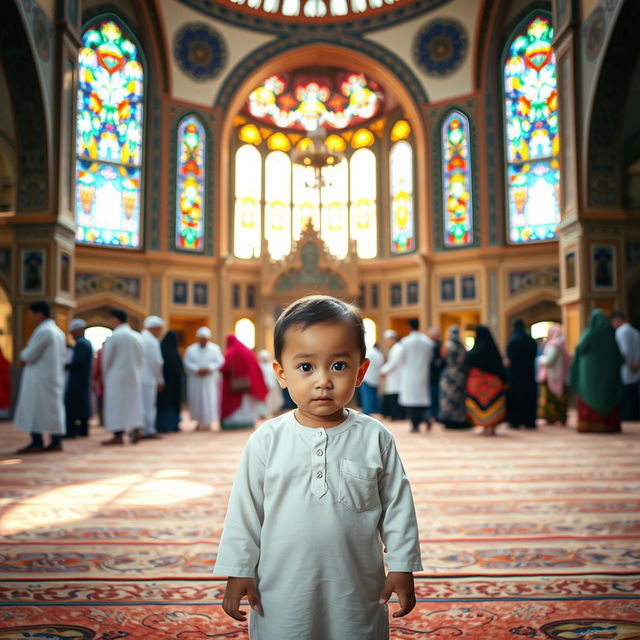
(179, 294)
(251, 296)
(374, 296)
(200, 294)
(468, 287)
(413, 292)
(32, 271)
(447, 289)
(395, 293)
(65, 272)
(603, 267)
(235, 296)
(570, 269)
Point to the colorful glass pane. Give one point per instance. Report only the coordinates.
(334, 100)
(401, 182)
(533, 200)
(334, 213)
(107, 204)
(531, 132)
(277, 206)
(306, 200)
(109, 137)
(190, 185)
(457, 181)
(248, 192)
(364, 227)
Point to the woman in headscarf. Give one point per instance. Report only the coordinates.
(595, 377)
(553, 370)
(522, 389)
(243, 386)
(5, 385)
(485, 382)
(170, 398)
(453, 380)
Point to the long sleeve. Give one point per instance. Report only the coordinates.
(82, 355)
(159, 361)
(218, 360)
(394, 360)
(190, 362)
(548, 359)
(398, 524)
(239, 549)
(35, 347)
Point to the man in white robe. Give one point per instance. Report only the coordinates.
(391, 372)
(415, 396)
(40, 406)
(202, 360)
(122, 361)
(152, 378)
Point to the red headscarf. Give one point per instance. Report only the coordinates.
(239, 361)
(5, 382)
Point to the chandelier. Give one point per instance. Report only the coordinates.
(317, 156)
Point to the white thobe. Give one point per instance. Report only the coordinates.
(151, 378)
(376, 360)
(417, 349)
(203, 392)
(40, 406)
(309, 513)
(122, 360)
(392, 369)
(628, 340)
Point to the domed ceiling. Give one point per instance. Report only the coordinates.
(294, 15)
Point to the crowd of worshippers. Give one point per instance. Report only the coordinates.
(136, 381)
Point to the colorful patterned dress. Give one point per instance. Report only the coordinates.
(453, 380)
(486, 399)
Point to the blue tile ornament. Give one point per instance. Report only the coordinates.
(200, 51)
(440, 47)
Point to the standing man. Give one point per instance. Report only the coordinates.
(391, 371)
(77, 399)
(40, 406)
(152, 377)
(628, 340)
(122, 362)
(437, 365)
(415, 395)
(202, 360)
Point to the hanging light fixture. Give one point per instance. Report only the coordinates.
(317, 156)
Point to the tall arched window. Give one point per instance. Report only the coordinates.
(457, 181)
(334, 213)
(190, 202)
(277, 206)
(401, 184)
(247, 227)
(109, 137)
(364, 227)
(531, 133)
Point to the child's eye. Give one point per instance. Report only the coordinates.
(339, 366)
(305, 367)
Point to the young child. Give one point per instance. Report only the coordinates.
(318, 492)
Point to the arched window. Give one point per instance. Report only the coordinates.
(531, 133)
(245, 331)
(190, 202)
(247, 213)
(277, 206)
(401, 183)
(109, 137)
(370, 331)
(364, 227)
(457, 181)
(334, 209)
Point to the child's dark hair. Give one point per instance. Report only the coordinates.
(313, 310)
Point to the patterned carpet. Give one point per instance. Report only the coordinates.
(526, 535)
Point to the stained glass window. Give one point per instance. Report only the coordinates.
(401, 184)
(190, 185)
(457, 181)
(247, 210)
(109, 133)
(277, 206)
(306, 200)
(335, 209)
(531, 132)
(364, 228)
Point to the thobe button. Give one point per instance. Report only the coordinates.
(319, 474)
(319, 452)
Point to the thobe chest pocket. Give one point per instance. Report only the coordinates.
(358, 488)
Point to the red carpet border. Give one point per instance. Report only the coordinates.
(526, 535)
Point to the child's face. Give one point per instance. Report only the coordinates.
(321, 367)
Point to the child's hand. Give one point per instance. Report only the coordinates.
(236, 588)
(402, 584)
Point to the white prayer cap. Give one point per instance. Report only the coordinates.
(390, 333)
(265, 355)
(203, 332)
(153, 322)
(77, 323)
